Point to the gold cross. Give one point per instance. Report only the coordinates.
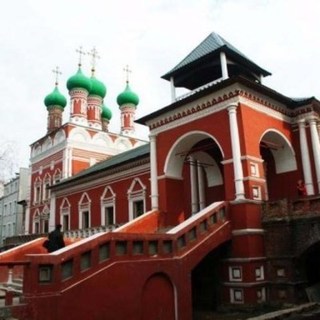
(57, 72)
(127, 71)
(81, 53)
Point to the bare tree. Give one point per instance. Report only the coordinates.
(8, 160)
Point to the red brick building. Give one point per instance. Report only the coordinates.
(195, 198)
(84, 140)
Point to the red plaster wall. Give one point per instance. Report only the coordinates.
(120, 189)
(158, 288)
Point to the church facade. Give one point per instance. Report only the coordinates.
(84, 140)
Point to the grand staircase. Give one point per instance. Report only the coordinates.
(108, 271)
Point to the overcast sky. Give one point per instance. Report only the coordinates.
(151, 36)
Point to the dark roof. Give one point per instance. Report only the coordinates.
(213, 45)
(289, 102)
(112, 162)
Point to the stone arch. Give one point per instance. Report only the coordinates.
(36, 149)
(174, 161)
(194, 165)
(102, 139)
(279, 165)
(158, 298)
(122, 144)
(281, 149)
(79, 134)
(214, 176)
(47, 144)
(59, 137)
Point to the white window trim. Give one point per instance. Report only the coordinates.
(256, 192)
(261, 295)
(46, 181)
(57, 176)
(65, 210)
(36, 196)
(103, 215)
(254, 169)
(137, 195)
(107, 202)
(232, 274)
(233, 294)
(261, 270)
(84, 206)
(35, 220)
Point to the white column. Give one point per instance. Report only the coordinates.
(69, 162)
(154, 173)
(193, 181)
(201, 186)
(315, 148)
(307, 176)
(52, 216)
(27, 219)
(236, 155)
(224, 67)
(261, 78)
(173, 90)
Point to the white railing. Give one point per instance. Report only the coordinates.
(84, 233)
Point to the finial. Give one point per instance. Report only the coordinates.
(81, 53)
(94, 54)
(57, 72)
(127, 71)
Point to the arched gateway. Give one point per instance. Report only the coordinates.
(194, 161)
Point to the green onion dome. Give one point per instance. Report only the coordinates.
(55, 98)
(106, 112)
(79, 80)
(97, 88)
(127, 96)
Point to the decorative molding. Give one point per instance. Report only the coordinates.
(245, 260)
(195, 110)
(107, 177)
(245, 284)
(245, 232)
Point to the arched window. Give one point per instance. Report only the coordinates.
(137, 199)
(65, 214)
(36, 222)
(108, 204)
(44, 220)
(57, 176)
(84, 212)
(46, 187)
(37, 191)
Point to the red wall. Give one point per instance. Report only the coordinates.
(120, 188)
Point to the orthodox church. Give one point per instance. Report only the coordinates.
(205, 215)
(84, 140)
